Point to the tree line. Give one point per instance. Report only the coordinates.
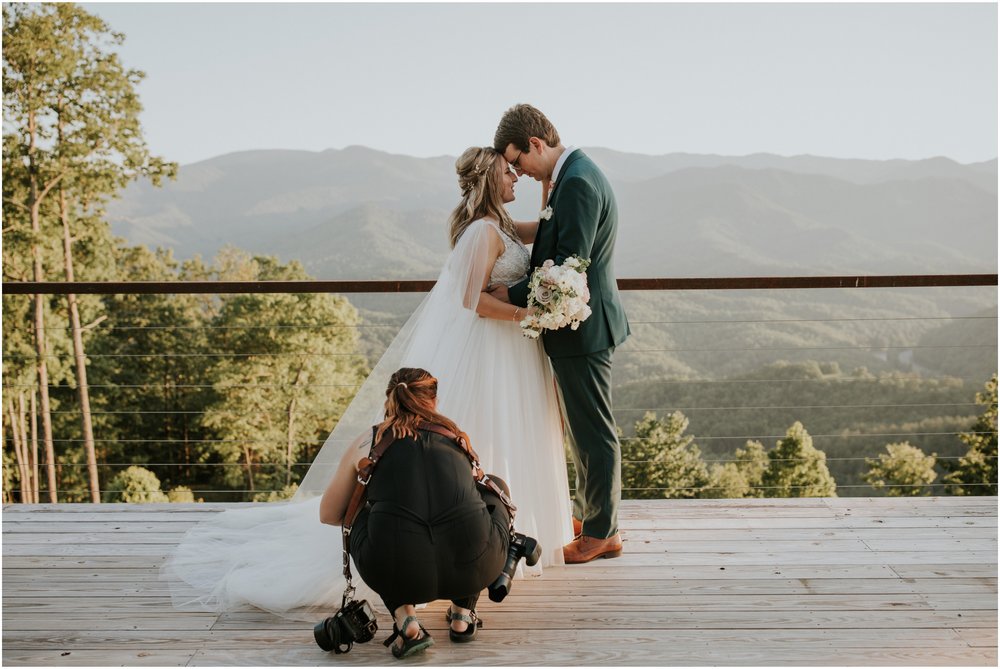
(663, 461)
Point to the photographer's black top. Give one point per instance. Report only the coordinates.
(426, 532)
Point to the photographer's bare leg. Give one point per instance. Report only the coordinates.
(456, 624)
(412, 630)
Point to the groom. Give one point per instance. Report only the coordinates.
(581, 219)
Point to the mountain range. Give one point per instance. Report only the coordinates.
(358, 213)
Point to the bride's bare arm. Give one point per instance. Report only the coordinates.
(333, 506)
(489, 306)
(526, 230)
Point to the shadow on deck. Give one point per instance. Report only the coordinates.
(843, 581)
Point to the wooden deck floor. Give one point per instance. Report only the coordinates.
(703, 582)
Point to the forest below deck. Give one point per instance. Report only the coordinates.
(228, 397)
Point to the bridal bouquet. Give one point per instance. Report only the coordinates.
(559, 295)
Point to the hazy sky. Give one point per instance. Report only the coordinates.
(846, 80)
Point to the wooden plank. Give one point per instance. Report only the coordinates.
(79, 550)
(774, 570)
(937, 545)
(124, 531)
(161, 619)
(608, 604)
(103, 538)
(293, 637)
(685, 619)
(929, 569)
(83, 562)
(713, 546)
(90, 658)
(585, 650)
(806, 534)
(986, 601)
(13, 575)
(979, 637)
(55, 583)
(840, 522)
(635, 559)
(88, 526)
(989, 501)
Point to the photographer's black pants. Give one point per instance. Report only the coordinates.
(407, 559)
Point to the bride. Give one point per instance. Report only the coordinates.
(494, 383)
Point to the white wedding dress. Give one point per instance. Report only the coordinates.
(493, 382)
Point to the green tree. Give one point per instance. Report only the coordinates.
(796, 468)
(148, 357)
(288, 366)
(975, 473)
(135, 485)
(75, 134)
(742, 477)
(903, 470)
(661, 461)
(180, 494)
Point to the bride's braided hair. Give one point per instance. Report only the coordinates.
(409, 401)
(480, 176)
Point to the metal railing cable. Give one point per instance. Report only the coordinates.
(947, 407)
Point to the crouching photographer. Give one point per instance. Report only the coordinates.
(427, 522)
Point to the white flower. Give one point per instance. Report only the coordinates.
(559, 295)
(545, 214)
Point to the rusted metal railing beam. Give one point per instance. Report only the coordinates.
(422, 286)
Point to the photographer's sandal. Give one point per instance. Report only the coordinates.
(473, 623)
(410, 646)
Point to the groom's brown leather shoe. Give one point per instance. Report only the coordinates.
(577, 527)
(584, 548)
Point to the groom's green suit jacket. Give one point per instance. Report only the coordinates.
(584, 223)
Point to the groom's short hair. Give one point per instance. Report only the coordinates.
(519, 124)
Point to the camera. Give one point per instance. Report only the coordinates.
(353, 622)
(521, 546)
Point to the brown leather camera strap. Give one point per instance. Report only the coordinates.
(477, 470)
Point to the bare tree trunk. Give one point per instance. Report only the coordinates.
(290, 444)
(247, 455)
(22, 416)
(35, 471)
(40, 342)
(41, 349)
(79, 357)
(19, 455)
(8, 497)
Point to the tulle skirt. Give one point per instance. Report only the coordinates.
(494, 383)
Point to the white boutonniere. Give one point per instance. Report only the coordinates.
(545, 214)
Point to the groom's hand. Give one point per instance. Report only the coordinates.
(500, 292)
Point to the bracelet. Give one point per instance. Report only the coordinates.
(514, 317)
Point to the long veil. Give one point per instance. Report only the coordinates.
(279, 557)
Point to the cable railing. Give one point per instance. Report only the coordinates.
(857, 377)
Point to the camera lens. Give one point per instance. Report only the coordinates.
(327, 635)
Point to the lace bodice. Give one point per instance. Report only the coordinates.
(513, 263)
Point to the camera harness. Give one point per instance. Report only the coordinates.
(366, 466)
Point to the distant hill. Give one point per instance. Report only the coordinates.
(360, 213)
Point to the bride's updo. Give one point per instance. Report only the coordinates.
(480, 177)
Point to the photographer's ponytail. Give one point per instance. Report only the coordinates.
(409, 400)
